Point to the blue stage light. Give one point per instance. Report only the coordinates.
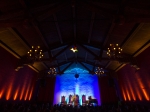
(67, 84)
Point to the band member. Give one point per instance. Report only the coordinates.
(73, 99)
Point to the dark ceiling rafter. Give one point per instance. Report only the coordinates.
(22, 60)
(105, 39)
(39, 15)
(72, 59)
(60, 64)
(67, 67)
(90, 45)
(95, 8)
(74, 20)
(146, 45)
(96, 56)
(119, 12)
(59, 46)
(10, 50)
(94, 66)
(58, 29)
(71, 43)
(53, 10)
(90, 33)
(85, 67)
(131, 34)
(62, 50)
(19, 37)
(35, 25)
(113, 23)
(45, 65)
(58, 67)
(66, 57)
(90, 63)
(91, 26)
(85, 56)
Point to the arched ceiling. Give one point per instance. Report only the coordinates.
(57, 25)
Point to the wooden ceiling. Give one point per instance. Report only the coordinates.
(57, 25)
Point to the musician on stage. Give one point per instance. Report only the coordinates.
(74, 100)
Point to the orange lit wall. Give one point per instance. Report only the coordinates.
(15, 85)
(135, 84)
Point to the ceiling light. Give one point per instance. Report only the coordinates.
(74, 49)
(35, 53)
(114, 51)
(99, 71)
(52, 71)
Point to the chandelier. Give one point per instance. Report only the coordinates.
(99, 71)
(35, 53)
(52, 71)
(114, 51)
(74, 49)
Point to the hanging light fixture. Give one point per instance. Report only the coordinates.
(35, 53)
(114, 51)
(74, 49)
(52, 71)
(99, 71)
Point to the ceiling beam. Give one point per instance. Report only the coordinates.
(35, 25)
(49, 59)
(85, 67)
(94, 66)
(97, 9)
(129, 37)
(58, 67)
(90, 63)
(58, 29)
(7, 48)
(44, 64)
(66, 57)
(51, 11)
(74, 19)
(60, 64)
(91, 26)
(15, 54)
(67, 67)
(65, 44)
(33, 68)
(62, 50)
(107, 65)
(131, 34)
(96, 56)
(19, 37)
(145, 46)
(85, 56)
(107, 37)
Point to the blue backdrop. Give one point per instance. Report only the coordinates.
(67, 84)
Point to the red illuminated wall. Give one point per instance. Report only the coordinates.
(135, 84)
(15, 85)
(107, 90)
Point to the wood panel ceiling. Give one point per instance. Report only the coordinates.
(57, 25)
